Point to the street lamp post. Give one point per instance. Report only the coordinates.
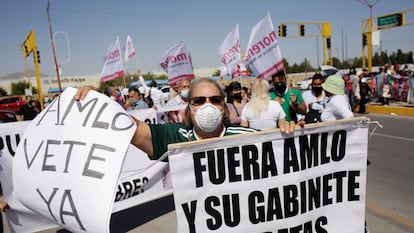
(369, 33)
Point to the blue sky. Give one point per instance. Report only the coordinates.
(155, 26)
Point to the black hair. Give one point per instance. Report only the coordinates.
(153, 83)
(134, 89)
(318, 75)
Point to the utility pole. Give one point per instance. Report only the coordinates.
(368, 34)
(53, 48)
(29, 46)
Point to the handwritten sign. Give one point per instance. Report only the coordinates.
(76, 149)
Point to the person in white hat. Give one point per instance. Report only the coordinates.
(337, 106)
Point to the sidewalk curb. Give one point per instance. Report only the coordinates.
(387, 109)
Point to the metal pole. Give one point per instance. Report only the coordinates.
(53, 48)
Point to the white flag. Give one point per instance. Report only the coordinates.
(129, 49)
(230, 52)
(263, 51)
(223, 71)
(176, 62)
(113, 66)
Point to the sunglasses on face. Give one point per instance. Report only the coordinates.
(200, 100)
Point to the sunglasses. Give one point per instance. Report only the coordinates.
(200, 100)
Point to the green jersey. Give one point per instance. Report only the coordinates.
(164, 134)
(286, 101)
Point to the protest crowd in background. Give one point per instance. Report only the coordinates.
(214, 109)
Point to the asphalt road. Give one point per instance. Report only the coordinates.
(390, 183)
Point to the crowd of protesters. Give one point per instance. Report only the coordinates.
(355, 88)
(215, 110)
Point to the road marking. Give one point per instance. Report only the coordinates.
(394, 137)
(390, 215)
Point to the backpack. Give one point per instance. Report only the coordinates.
(149, 100)
(312, 116)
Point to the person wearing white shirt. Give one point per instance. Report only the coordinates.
(156, 94)
(315, 100)
(337, 106)
(261, 112)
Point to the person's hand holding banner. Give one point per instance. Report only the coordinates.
(76, 148)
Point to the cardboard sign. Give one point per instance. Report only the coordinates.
(68, 162)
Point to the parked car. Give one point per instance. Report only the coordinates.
(305, 84)
(12, 103)
(7, 116)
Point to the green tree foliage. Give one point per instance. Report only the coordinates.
(3, 92)
(19, 87)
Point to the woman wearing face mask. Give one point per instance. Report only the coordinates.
(235, 102)
(206, 116)
(315, 100)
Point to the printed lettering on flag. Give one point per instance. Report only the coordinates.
(113, 66)
(129, 49)
(263, 54)
(230, 52)
(176, 62)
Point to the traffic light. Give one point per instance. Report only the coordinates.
(399, 19)
(364, 40)
(25, 51)
(282, 30)
(328, 42)
(302, 30)
(37, 56)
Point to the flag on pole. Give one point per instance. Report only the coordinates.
(230, 52)
(263, 54)
(129, 49)
(223, 71)
(176, 63)
(113, 66)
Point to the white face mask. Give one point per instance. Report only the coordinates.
(184, 93)
(208, 117)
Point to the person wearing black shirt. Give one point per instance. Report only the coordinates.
(28, 111)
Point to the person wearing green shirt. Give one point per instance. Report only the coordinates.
(290, 99)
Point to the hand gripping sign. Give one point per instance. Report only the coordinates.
(267, 182)
(69, 159)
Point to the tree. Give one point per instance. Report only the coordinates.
(216, 73)
(3, 91)
(19, 87)
(337, 63)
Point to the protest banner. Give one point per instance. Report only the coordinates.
(176, 63)
(142, 184)
(268, 182)
(263, 54)
(19, 218)
(229, 51)
(67, 165)
(113, 66)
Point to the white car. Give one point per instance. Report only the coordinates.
(305, 84)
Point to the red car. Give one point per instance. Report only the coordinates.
(7, 116)
(12, 103)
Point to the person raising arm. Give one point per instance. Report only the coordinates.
(206, 116)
